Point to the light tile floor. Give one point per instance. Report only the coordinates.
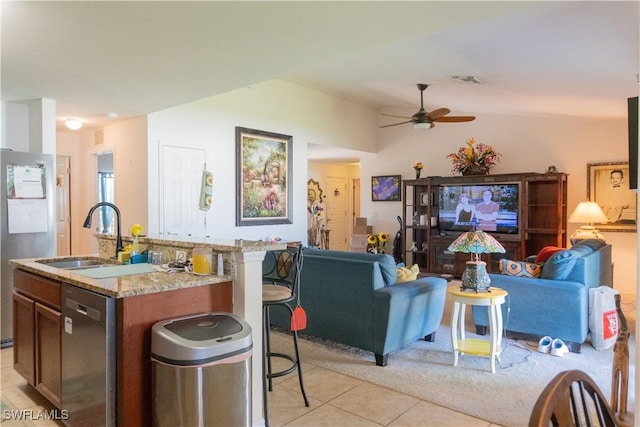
(335, 399)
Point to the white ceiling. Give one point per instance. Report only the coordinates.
(134, 58)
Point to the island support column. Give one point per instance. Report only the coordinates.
(247, 303)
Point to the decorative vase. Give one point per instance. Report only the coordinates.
(475, 170)
(418, 171)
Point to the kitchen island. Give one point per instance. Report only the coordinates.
(143, 299)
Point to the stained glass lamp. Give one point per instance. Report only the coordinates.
(475, 242)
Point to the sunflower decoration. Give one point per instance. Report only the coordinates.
(376, 243)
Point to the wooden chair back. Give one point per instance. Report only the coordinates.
(572, 398)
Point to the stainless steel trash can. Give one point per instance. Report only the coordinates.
(201, 371)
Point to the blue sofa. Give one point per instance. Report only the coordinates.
(557, 302)
(352, 298)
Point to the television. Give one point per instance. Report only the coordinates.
(492, 207)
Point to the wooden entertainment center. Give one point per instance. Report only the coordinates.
(537, 218)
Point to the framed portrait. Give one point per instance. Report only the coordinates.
(263, 172)
(385, 188)
(608, 186)
(424, 199)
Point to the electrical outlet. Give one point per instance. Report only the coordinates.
(181, 256)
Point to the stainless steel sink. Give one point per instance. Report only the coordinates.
(77, 264)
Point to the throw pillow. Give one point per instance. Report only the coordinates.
(520, 268)
(546, 252)
(594, 244)
(407, 274)
(559, 265)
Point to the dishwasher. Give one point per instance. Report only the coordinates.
(88, 357)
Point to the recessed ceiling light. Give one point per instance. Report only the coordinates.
(73, 124)
(112, 116)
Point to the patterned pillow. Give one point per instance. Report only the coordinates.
(520, 268)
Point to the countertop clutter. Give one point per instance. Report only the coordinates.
(146, 281)
(121, 286)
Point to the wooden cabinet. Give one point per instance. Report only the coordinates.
(541, 219)
(37, 329)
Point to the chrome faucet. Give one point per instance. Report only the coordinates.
(87, 223)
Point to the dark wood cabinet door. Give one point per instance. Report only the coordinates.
(48, 353)
(23, 338)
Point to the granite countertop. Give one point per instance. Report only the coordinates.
(118, 287)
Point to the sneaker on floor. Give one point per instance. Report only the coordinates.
(559, 348)
(544, 345)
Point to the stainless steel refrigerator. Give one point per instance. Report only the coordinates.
(27, 216)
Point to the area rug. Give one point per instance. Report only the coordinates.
(425, 370)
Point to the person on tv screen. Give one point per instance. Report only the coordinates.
(465, 211)
(487, 212)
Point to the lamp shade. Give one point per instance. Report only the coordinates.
(588, 213)
(476, 242)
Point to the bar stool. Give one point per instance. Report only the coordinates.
(281, 284)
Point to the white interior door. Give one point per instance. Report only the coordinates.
(336, 203)
(63, 208)
(180, 179)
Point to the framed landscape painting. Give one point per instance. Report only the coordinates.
(385, 188)
(608, 186)
(263, 186)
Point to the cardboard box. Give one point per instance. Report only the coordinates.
(363, 229)
(361, 221)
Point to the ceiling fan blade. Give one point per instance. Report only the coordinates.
(395, 124)
(391, 115)
(455, 119)
(436, 114)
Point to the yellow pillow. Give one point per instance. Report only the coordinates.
(407, 274)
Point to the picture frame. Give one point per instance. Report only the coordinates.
(607, 185)
(263, 177)
(424, 199)
(386, 188)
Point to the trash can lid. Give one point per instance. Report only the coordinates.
(200, 338)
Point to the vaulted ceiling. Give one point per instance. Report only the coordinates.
(134, 58)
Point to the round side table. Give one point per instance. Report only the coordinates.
(474, 346)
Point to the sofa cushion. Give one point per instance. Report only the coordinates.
(386, 262)
(581, 250)
(520, 268)
(546, 252)
(407, 274)
(559, 265)
(594, 244)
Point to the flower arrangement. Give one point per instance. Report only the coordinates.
(417, 166)
(474, 159)
(376, 244)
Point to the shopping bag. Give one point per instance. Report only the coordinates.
(603, 317)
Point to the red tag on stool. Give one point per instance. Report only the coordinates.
(298, 319)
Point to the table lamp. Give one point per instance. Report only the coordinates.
(587, 213)
(475, 275)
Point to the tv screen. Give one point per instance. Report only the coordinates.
(489, 207)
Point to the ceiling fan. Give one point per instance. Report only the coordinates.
(425, 120)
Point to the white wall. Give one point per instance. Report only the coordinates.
(527, 144)
(15, 126)
(274, 106)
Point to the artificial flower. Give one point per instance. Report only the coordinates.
(477, 158)
(417, 165)
(372, 239)
(383, 237)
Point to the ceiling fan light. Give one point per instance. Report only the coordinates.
(423, 125)
(73, 124)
